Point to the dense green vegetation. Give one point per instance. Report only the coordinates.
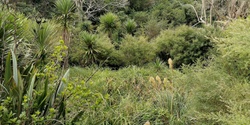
(125, 62)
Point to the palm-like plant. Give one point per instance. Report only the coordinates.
(65, 8)
(5, 30)
(42, 38)
(30, 91)
(130, 26)
(10, 34)
(28, 96)
(90, 48)
(109, 23)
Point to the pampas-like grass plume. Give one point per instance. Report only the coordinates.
(170, 63)
(158, 79)
(152, 81)
(147, 123)
(165, 82)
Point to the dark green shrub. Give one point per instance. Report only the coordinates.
(115, 60)
(86, 26)
(140, 17)
(183, 44)
(25, 8)
(140, 5)
(172, 13)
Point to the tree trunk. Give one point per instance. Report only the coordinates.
(67, 43)
(66, 39)
(211, 11)
(232, 8)
(239, 11)
(203, 10)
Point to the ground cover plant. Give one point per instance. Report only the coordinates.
(124, 62)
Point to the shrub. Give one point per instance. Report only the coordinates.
(172, 13)
(33, 95)
(153, 28)
(234, 48)
(91, 49)
(140, 5)
(236, 99)
(115, 60)
(140, 17)
(109, 23)
(183, 44)
(214, 96)
(86, 26)
(130, 26)
(128, 97)
(12, 30)
(137, 50)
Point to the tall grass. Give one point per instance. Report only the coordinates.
(130, 98)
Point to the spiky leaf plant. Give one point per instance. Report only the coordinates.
(109, 23)
(130, 26)
(11, 27)
(42, 39)
(96, 48)
(33, 94)
(65, 8)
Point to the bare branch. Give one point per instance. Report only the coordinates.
(91, 7)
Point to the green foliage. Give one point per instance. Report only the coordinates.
(128, 97)
(65, 9)
(91, 49)
(183, 44)
(140, 5)
(130, 26)
(172, 13)
(36, 89)
(137, 50)
(153, 28)
(86, 26)
(64, 6)
(209, 86)
(115, 60)
(26, 8)
(11, 30)
(43, 39)
(159, 64)
(30, 93)
(109, 23)
(235, 99)
(140, 17)
(233, 47)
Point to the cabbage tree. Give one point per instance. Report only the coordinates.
(65, 8)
